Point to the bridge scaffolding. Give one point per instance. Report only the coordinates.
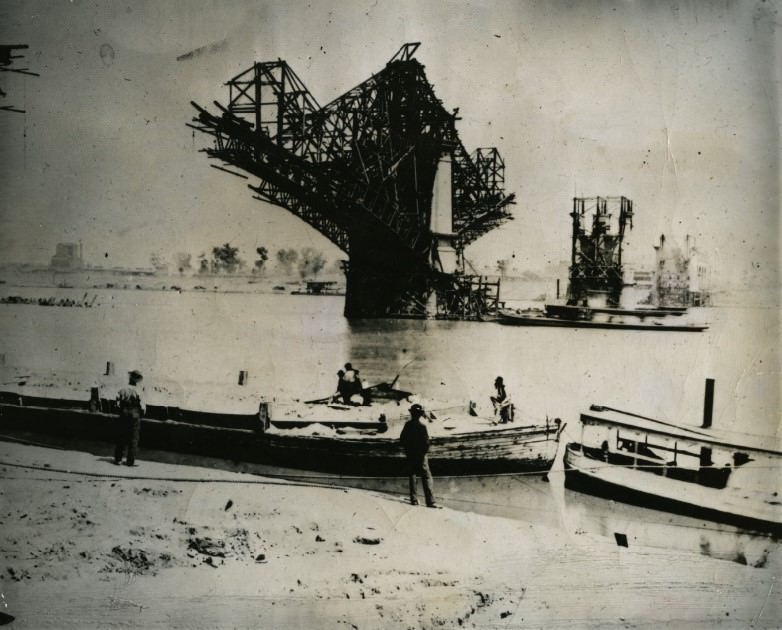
(380, 171)
(596, 251)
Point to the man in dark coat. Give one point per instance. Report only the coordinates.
(341, 393)
(131, 407)
(415, 442)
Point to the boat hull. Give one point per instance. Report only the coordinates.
(521, 319)
(501, 450)
(648, 490)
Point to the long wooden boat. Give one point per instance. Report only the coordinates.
(642, 313)
(601, 318)
(334, 440)
(572, 311)
(691, 471)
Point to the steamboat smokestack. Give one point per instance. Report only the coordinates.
(708, 403)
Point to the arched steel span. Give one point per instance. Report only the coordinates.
(365, 170)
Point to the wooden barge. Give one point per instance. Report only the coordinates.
(345, 447)
(602, 318)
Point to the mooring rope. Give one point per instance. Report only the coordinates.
(280, 480)
(303, 479)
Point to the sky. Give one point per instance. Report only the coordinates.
(672, 104)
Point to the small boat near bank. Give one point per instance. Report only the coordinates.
(564, 316)
(692, 471)
(320, 287)
(340, 439)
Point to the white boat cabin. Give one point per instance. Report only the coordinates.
(689, 454)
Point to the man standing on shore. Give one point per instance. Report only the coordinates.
(415, 441)
(131, 408)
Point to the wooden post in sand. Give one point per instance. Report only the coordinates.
(109, 368)
(708, 403)
(263, 416)
(94, 404)
(243, 377)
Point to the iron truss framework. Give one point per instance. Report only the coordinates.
(361, 171)
(596, 253)
(7, 62)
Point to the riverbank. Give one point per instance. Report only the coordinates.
(171, 546)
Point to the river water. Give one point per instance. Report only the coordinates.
(291, 347)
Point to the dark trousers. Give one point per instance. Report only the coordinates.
(128, 430)
(419, 467)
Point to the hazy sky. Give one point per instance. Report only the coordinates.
(673, 104)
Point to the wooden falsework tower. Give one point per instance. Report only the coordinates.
(380, 171)
(596, 252)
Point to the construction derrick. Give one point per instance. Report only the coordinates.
(7, 62)
(380, 171)
(596, 256)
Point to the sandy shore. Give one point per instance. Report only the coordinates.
(169, 546)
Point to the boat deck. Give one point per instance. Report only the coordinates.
(536, 317)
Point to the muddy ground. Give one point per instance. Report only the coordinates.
(170, 546)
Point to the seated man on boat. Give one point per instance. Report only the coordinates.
(341, 393)
(351, 385)
(503, 407)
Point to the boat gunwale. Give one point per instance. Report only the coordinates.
(506, 316)
(490, 433)
(592, 475)
(684, 434)
(373, 457)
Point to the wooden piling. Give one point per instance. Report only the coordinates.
(243, 377)
(708, 403)
(109, 368)
(263, 416)
(94, 404)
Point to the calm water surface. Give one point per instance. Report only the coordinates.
(292, 346)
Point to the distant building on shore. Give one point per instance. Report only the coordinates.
(643, 279)
(681, 276)
(67, 257)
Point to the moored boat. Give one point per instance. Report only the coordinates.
(314, 287)
(585, 317)
(693, 471)
(342, 439)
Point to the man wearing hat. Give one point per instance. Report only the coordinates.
(131, 407)
(415, 441)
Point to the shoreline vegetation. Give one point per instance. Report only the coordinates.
(89, 544)
(515, 288)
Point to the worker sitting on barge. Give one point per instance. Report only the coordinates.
(350, 385)
(341, 393)
(503, 407)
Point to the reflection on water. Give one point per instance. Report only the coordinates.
(643, 527)
(525, 497)
(291, 346)
(542, 500)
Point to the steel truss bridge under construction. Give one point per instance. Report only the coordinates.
(380, 171)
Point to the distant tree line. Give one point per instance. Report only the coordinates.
(226, 259)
